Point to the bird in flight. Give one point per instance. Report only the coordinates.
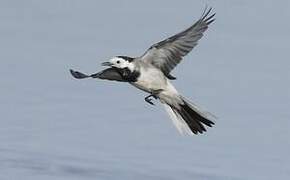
(151, 73)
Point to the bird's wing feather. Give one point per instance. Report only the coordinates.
(109, 74)
(166, 54)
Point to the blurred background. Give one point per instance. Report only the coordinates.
(55, 127)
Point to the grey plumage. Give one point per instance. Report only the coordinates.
(166, 54)
(107, 74)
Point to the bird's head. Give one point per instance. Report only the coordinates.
(120, 62)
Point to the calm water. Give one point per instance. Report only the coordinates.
(55, 127)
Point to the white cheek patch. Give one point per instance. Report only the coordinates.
(131, 66)
(123, 63)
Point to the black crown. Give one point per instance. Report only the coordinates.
(127, 58)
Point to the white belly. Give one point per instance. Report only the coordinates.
(151, 80)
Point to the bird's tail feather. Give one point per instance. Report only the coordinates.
(177, 120)
(189, 118)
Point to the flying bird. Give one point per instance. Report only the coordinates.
(151, 73)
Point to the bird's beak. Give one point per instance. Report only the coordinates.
(107, 64)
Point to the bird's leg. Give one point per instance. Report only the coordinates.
(149, 99)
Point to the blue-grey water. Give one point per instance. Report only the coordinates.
(55, 127)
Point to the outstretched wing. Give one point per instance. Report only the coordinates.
(109, 74)
(166, 54)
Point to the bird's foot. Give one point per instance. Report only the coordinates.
(149, 99)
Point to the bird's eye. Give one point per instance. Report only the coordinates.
(118, 62)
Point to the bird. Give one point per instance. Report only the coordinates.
(151, 72)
